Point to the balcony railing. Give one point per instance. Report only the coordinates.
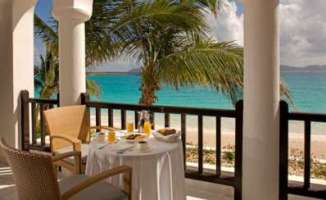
(34, 138)
(290, 187)
(218, 176)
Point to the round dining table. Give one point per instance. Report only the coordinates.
(157, 174)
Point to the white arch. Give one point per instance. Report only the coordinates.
(16, 62)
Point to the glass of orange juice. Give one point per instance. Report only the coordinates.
(130, 127)
(147, 128)
(111, 136)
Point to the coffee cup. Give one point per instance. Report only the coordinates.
(142, 146)
(100, 138)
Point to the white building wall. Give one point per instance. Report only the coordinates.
(16, 62)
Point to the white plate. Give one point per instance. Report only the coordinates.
(133, 141)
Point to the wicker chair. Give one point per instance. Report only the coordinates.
(69, 130)
(35, 176)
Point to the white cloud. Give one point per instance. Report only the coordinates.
(303, 29)
(303, 32)
(121, 64)
(227, 26)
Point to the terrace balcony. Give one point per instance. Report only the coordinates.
(204, 179)
(260, 167)
(214, 182)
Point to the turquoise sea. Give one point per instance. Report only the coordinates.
(308, 90)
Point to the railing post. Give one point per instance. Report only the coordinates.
(25, 131)
(58, 99)
(84, 97)
(34, 121)
(110, 117)
(166, 120)
(42, 124)
(123, 119)
(218, 146)
(98, 118)
(200, 144)
(184, 138)
(307, 154)
(238, 150)
(284, 151)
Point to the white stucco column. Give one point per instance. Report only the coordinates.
(261, 100)
(71, 15)
(16, 63)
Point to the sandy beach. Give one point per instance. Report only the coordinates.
(228, 126)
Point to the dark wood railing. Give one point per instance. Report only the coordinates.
(305, 188)
(32, 115)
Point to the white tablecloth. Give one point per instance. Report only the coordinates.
(157, 174)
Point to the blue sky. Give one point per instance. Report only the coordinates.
(43, 8)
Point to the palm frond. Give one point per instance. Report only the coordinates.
(92, 88)
(208, 63)
(48, 34)
(136, 29)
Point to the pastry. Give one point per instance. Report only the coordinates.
(167, 131)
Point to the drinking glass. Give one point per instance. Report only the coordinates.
(130, 127)
(111, 136)
(147, 128)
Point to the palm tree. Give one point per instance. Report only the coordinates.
(168, 38)
(46, 76)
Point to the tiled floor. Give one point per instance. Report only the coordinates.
(196, 190)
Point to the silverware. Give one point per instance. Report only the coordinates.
(124, 150)
(102, 147)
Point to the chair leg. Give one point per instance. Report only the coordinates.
(127, 183)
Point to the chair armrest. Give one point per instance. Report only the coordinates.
(60, 157)
(99, 177)
(76, 143)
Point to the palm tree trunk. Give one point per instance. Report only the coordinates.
(149, 85)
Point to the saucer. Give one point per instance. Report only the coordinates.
(147, 150)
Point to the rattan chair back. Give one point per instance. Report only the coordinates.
(71, 121)
(34, 174)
